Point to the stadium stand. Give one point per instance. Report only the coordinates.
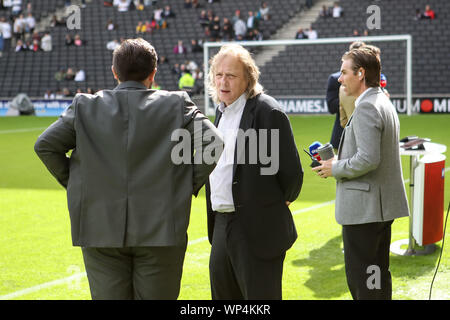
(34, 72)
(430, 50)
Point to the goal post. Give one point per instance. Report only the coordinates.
(210, 110)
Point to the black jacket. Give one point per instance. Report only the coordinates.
(260, 200)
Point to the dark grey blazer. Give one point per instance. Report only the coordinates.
(123, 188)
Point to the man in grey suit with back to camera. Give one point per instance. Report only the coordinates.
(370, 192)
(129, 202)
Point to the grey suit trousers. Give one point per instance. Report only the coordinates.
(134, 273)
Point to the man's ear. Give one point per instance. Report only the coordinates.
(114, 73)
(151, 77)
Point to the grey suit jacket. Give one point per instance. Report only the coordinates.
(368, 171)
(123, 189)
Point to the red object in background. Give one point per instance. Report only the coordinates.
(426, 105)
(428, 206)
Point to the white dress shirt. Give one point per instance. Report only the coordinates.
(221, 178)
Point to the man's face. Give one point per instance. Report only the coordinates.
(350, 81)
(230, 79)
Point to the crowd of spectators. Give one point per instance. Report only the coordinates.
(17, 31)
(236, 28)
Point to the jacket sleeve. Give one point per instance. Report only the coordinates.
(206, 140)
(367, 127)
(53, 144)
(290, 172)
(333, 94)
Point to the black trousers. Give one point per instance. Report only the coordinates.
(139, 273)
(235, 273)
(366, 253)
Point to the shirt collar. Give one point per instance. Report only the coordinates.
(130, 85)
(235, 106)
(362, 95)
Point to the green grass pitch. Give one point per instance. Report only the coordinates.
(37, 251)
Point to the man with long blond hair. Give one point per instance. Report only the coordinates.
(250, 226)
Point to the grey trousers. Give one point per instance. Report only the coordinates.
(139, 273)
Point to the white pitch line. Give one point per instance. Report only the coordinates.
(21, 130)
(83, 274)
(42, 286)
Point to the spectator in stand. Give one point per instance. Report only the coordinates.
(187, 4)
(140, 28)
(300, 34)
(179, 48)
(428, 14)
(312, 34)
(264, 11)
(325, 12)
(176, 69)
(252, 22)
(19, 27)
(203, 19)
(157, 15)
(30, 23)
(68, 40)
(195, 47)
(418, 15)
(80, 76)
(112, 45)
(35, 46)
(110, 26)
(66, 92)
(16, 7)
(5, 27)
(196, 4)
(168, 13)
(236, 17)
(77, 40)
(337, 10)
(186, 82)
(240, 29)
(215, 29)
(227, 30)
(191, 65)
(55, 21)
(59, 75)
(49, 95)
(20, 46)
(69, 75)
(123, 5)
(162, 60)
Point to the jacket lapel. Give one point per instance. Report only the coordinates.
(246, 123)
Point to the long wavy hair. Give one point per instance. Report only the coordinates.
(251, 70)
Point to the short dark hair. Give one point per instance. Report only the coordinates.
(134, 60)
(367, 59)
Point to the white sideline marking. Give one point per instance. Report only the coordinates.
(21, 130)
(42, 286)
(83, 274)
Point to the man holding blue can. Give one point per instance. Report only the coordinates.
(370, 192)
